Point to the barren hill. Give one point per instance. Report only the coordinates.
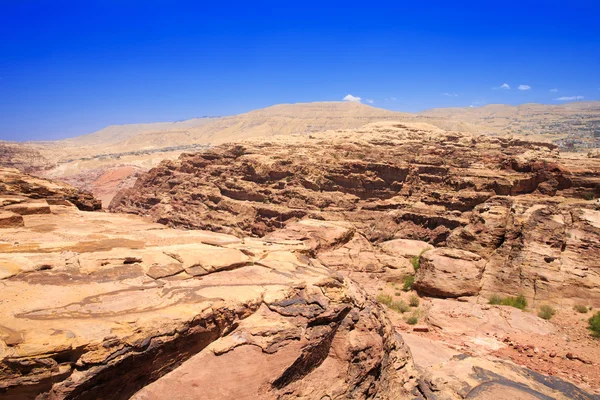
(108, 160)
(575, 121)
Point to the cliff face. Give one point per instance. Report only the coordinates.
(528, 213)
(108, 306)
(18, 186)
(22, 157)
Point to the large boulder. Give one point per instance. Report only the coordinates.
(448, 272)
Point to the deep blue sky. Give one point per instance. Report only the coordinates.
(73, 67)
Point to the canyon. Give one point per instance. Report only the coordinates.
(333, 258)
(111, 159)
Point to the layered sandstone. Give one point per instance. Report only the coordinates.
(16, 188)
(524, 213)
(108, 306)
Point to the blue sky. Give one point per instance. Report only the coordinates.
(73, 67)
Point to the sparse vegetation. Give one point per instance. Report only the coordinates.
(519, 302)
(399, 306)
(495, 300)
(412, 320)
(580, 308)
(594, 325)
(546, 312)
(414, 301)
(409, 280)
(588, 196)
(415, 262)
(384, 299)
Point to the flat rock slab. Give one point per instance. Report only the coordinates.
(405, 247)
(9, 219)
(478, 378)
(29, 208)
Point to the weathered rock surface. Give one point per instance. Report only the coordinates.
(15, 187)
(448, 272)
(109, 306)
(466, 377)
(22, 157)
(518, 205)
(9, 219)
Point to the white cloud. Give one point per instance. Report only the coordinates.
(505, 86)
(569, 98)
(355, 99)
(524, 87)
(391, 99)
(370, 101)
(554, 90)
(450, 94)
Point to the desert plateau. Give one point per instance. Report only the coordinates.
(299, 201)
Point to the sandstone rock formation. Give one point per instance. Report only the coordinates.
(521, 207)
(21, 157)
(447, 272)
(16, 188)
(109, 306)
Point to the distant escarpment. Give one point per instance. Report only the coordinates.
(517, 215)
(22, 157)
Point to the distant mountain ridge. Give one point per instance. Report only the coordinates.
(110, 158)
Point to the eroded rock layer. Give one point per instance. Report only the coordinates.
(107, 306)
(525, 218)
(16, 187)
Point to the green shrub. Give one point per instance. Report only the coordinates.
(546, 312)
(399, 306)
(519, 302)
(588, 196)
(412, 320)
(415, 261)
(409, 280)
(414, 301)
(580, 308)
(594, 325)
(384, 299)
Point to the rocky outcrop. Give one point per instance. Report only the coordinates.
(16, 188)
(520, 206)
(544, 248)
(99, 305)
(23, 157)
(477, 378)
(448, 272)
(10, 219)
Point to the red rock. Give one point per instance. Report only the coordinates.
(10, 219)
